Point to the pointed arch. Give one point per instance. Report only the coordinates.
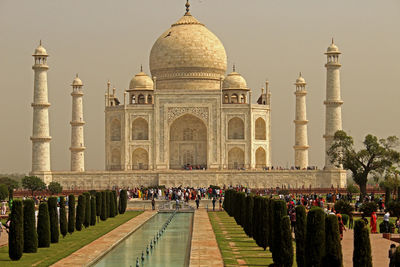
(116, 159)
(236, 128)
(115, 130)
(261, 158)
(261, 129)
(235, 158)
(140, 129)
(140, 159)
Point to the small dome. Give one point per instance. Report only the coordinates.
(77, 81)
(234, 81)
(40, 51)
(300, 80)
(141, 81)
(332, 48)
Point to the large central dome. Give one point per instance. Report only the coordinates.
(188, 56)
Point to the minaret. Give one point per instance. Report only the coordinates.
(77, 146)
(333, 102)
(301, 138)
(41, 132)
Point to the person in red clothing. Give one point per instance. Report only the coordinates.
(373, 222)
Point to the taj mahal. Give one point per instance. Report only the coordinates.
(190, 122)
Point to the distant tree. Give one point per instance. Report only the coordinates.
(80, 212)
(333, 249)
(376, 157)
(3, 192)
(343, 207)
(16, 231)
(362, 246)
(55, 188)
(43, 226)
(300, 235)
(71, 214)
(315, 237)
(93, 210)
(11, 185)
(368, 207)
(123, 199)
(86, 221)
(353, 189)
(30, 234)
(53, 214)
(33, 184)
(63, 218)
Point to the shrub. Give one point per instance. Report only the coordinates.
(71, 214)
(265, 225)
(343, 207)
(386, 227)
(315, 237)
(3, 192)
(16, 231)
(115, 202)
(108, 204)
(394, 208)
(30, 234)
(54, 232)
(362, 246)
(80, 212)
(98, 203)
(368, 207)
(248, 224)
(279, 210)
(112, 204)
(345, 218)
(63, 218)
(103, 214)
(300, 235)
(55, 188)
(397, 257)
(353, 189)
(333, 249)
(123, 201)
(258, 222)
(43, 226)
(93, 210)
(285, 252)
(86, 221)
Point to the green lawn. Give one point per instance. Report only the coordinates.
(67, 245)
(236, 248)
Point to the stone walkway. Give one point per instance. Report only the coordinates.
(204, 250)
(93, 251)
(379, 246)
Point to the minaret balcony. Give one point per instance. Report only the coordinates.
(333, 102)
(77, 149)
(77, 123)
(41, 138)
(41, 105)
(301, 122)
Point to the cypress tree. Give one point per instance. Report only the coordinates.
(270, 222)
(257, 215)
(16, 231)
(362, 246)
(264, 221)
(123, 198)
(300, 235)
(112, 208)
(243, 211)
(279, 210)
(249, 215)
(115, 197)
(108, 204)
(80, 212)
(333, 248)
(71, 214)
(98, 203)
(63, 218)
(43, 226)
(285, 252)
(54, 231)
(93, 210)
(315, 237)
(103, 214)
(86, 220)
(30, 234)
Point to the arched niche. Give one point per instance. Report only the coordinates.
(140, 129)
(115, 130)
(236, 128)
(116, 159)
(261, 158)
(235, 158)
(140, 159)
(260, 129)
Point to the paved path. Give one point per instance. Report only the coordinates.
(379, 247)
(93, 251)
(3, 238)
(204, 250)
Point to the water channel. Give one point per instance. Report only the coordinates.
(172, 248)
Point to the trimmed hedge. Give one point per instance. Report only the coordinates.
(16, 231)
(112, 204)
(80, 212)
(285, 252)
(248, 223)
(103, 214)
(108, 206)
(279, 210)
(98, 203)
(54, 231)
(315, 237)
(362, 246)
(43, 226)
(86, 221)
(93, 210)
(30, 234)
(115, 203)
(300, 235)
(333, 249)
(63, 218)
(123, 201)
(71, 214)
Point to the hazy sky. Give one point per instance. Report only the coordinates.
(265, 38)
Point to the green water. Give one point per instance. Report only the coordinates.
(172, 249)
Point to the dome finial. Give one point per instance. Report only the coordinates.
(187, 7)
(141, 68)
(40, 42)
(234, 67)
(300, 74)
(77, 75)
(332, 41)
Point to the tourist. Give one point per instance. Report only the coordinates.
(3, 208)
(1, 228)
(177, 203)
(213, 203)
(342, 228)
(398, 225)
(392, 252)
(373, 222)
(351, 220)
(220, 203)
(153, 204)
(197, 202)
